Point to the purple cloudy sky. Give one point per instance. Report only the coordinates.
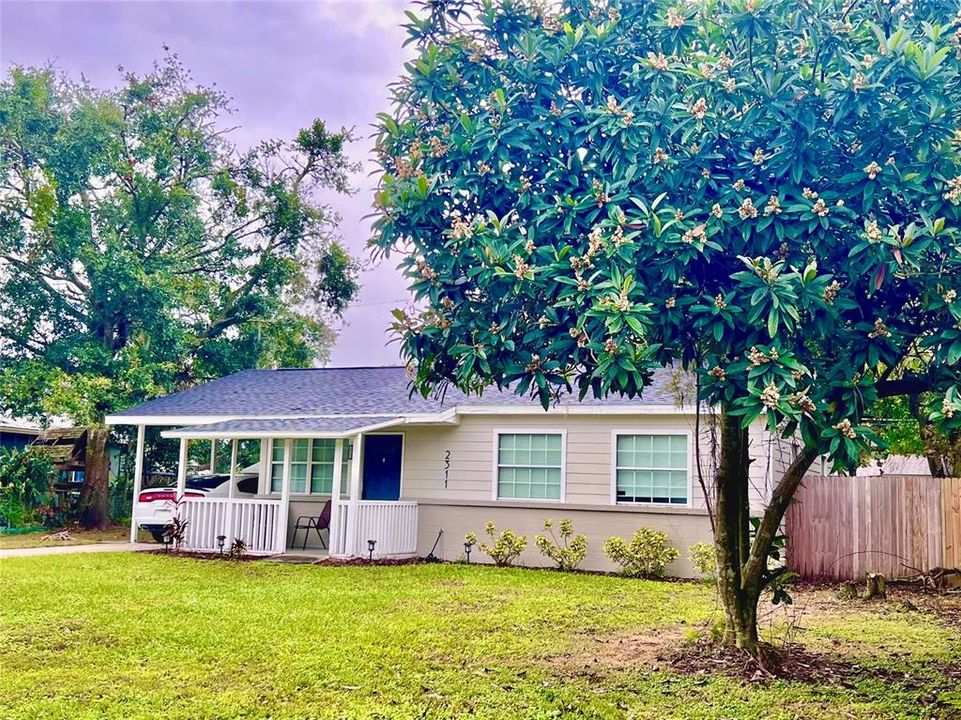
(284, 63)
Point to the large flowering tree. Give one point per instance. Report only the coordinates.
(141, 252)
(763, 193)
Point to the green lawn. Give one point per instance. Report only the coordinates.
(147, 636)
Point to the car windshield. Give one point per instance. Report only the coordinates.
(206, 482)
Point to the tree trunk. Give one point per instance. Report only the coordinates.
(741, 561)
(732, 536)
(94, 497)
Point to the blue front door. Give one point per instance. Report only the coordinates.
(382, 459)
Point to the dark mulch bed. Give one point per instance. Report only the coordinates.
(204, 555)
(293, 559)
(788, 662)
(375, 561)
(791, 662)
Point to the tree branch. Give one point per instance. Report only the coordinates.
(912, 385)
(774, 514)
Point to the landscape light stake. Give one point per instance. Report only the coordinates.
(467, 548)
(221, 539)
(370, 550)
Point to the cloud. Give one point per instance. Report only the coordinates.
(386, 15)
(283, 63)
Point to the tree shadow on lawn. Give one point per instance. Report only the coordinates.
(924, 663)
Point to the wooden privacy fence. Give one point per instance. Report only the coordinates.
(843, 527)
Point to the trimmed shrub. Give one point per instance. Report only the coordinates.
(504, 549)
(646, 555)
(569, 551)
(704, 559)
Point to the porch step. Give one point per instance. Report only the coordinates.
(297, 559)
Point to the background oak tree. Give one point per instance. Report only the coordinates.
(763, 193)
(905, 427)
(141, 252)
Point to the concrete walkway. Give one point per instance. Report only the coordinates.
(76, 549)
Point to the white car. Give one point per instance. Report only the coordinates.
(156, 506)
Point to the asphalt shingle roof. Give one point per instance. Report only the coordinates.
(286, 425)
(347, 391)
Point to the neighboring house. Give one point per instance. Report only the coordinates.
(16, 435)
(411, 467)
(66, 448)
(897, 465)
(891, 465)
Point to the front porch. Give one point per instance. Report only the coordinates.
(352, 464)
(266, 529)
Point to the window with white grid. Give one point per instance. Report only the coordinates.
(311, 466)
(529, 466)
(651, 469)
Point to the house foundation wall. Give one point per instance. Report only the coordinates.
(683, 528)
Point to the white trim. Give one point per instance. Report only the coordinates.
(284, 509)
(445, 416)
(201, 434)
(20, 429)
(579, 506)
(403, 458)
(333, 530)
(574, 409)
(495, 465)
(356, 470)
(689, 434)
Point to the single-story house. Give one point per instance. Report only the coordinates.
(16, 434)
(416, 474)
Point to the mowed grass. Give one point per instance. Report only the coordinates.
(148, 636)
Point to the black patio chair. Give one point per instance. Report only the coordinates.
(309, 522)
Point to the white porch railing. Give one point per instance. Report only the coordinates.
(392, 524)
(254, 521)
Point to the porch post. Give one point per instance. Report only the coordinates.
(334, 532)
(213, 455)
(137, 482)
(232, 490)
(353, 542)
(284, 497)
(182, 469)
(231, 493)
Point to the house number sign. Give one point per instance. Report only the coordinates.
(446, 467)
